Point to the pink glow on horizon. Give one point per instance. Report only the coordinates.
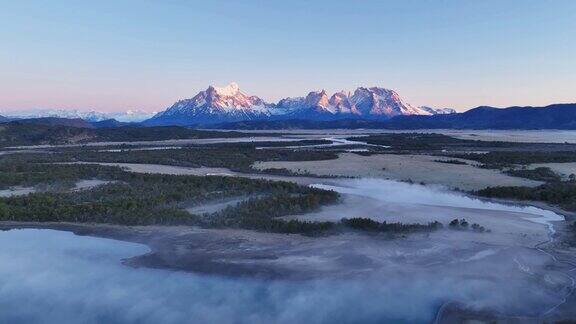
(132, 98)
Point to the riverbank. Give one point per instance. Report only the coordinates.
(461, 257)
(236, 252)
(495, 266)
(418, 168)
(446, 257)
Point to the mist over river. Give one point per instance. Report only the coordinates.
(50, 276)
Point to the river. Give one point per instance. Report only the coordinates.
(49, 276)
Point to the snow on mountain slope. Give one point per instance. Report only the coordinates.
(374, 103)
(438, 111)
(342, 103)
(131, 116)
(55, 113)
(214, 105)
(229, 104)
(380, 102)
(230, 90)
(92, 116)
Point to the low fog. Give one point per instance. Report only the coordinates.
(52, 276)
(394, 193)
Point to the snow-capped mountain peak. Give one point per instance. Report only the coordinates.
(228, 91)
(131, 116)
(374, 103)
(229, 104)
(318, 100)
(342, 103)
(91, 115)
(215, 104)
(382, 102)
(438, 111)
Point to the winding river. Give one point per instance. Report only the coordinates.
(69, 278)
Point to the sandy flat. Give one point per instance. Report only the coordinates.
(163, 169)
(200, 171)
(190, 141)
(16, 191)
(89, 184)
(563, 169)
(525, 136)
(499, 270)
(418, 168)
(216, 205)
(507, 227)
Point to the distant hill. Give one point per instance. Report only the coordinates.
(29, 133)
(16, 134)
(73, 122)
(110, 123)
(56, 121)
(129, 116)
(558, 116)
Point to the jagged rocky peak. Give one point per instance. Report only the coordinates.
(342, 103)
(383, 102)
(221, 98)
(317, 99)
(229, 103)
(371, 102)
(214, 105)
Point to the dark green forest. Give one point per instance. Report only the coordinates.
(17, 134)
(502, 159)
(154, 199)
(239, 157)
(562, 194)
(145, 199)
(538, 174)
(428, 142)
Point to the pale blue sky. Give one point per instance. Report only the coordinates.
(117, 55)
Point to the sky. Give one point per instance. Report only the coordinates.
(141, 54)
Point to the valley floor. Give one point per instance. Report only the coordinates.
(529, 136)
(407, 167)
(519, 270)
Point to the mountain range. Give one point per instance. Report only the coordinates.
(374, 107)
(217, 105)
(129, 116)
